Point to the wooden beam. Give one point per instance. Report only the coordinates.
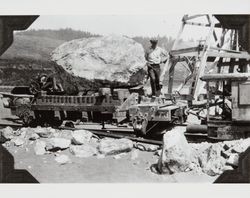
(217, 25)
(225, 50)
(228, 76)
(229, 55)
(186, 17)
(231, 63)
(184, 51)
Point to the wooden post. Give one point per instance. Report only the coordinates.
(169, 64)
(208, 100)
(202, 63)
(171, 76)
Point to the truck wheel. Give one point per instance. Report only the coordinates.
(140, 127)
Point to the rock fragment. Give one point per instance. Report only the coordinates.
(43, 132)
(233, 160)
(18, 141)
(7, 133)
(83, 151)
(39, 147)
(67, 134)
(62, 159)
(134, 155)
(57, 143)
(81, 136)
(34, 136)
(108, 146)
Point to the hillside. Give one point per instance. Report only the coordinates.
(31, 47)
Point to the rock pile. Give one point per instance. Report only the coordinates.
(81, 143)
(116, 60)
(210, 158)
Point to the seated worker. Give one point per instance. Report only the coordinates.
(48, 83)
(154, 57)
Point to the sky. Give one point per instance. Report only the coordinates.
(129, 25)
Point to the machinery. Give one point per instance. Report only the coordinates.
(219, 75)
(52, 109)
(222, 59)
(228, 111)
(156, 114)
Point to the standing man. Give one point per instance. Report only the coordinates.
(155, 56)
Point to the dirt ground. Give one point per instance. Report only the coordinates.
(93, 170)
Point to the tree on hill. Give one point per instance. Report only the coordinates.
(65, 34)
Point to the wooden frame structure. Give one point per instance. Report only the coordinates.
(223, 54)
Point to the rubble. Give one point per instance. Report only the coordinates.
(7, 133)
(18, 141)
(43, 132)
(34, 136)
(233, 159)
(211, 161)
(81, 136)
(85, 150)
(67, 134)
(134, 154)
(110, 146)
(210, 158)
(177, 155)
(241, 146)
(39, 147)
(62, 159)
(57, 143)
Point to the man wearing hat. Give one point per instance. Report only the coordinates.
(155, 56)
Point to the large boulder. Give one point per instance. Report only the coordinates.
(108, 146)
(176, 154)
(116, 60)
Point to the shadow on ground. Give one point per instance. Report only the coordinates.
(8, 174)
(239, 175)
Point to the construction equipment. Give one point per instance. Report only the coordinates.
(220, 65)
(231, 116)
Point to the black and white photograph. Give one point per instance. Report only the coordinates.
(120, 98)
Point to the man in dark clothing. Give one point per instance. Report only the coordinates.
(49, 84)
(155, 56)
